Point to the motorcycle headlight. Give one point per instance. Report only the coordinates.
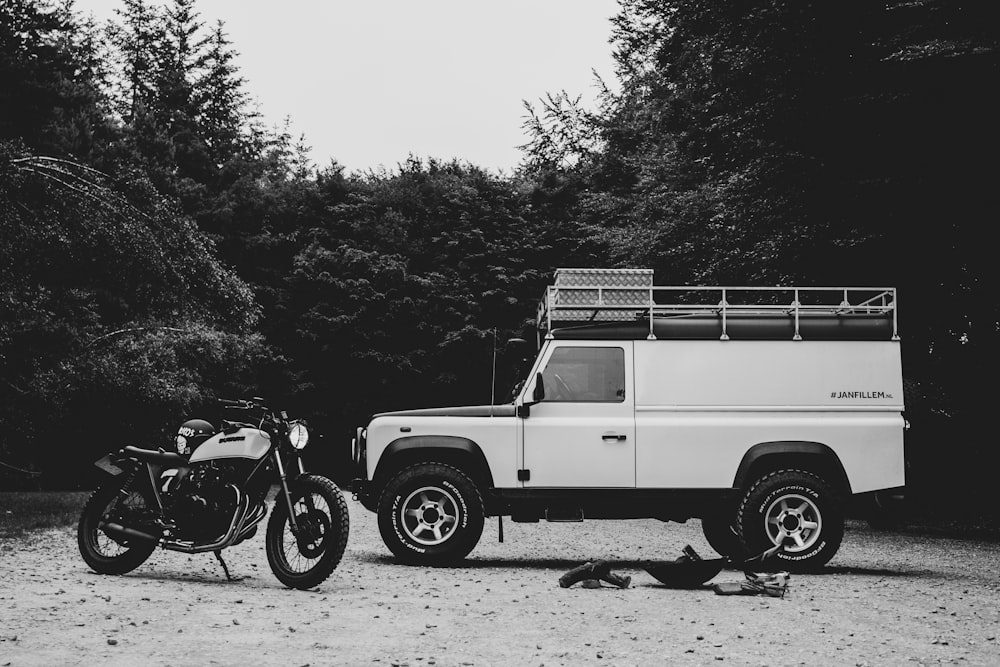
(298, 435)
(182, 444)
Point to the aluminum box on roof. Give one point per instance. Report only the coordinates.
(609, 291)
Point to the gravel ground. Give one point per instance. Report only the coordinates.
(886, 599)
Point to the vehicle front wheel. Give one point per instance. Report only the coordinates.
(430, 514)
(794, 509)
(305, 557)
(720, 533)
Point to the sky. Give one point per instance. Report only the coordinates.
(369, 82)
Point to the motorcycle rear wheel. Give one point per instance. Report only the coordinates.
(104, 554)
(306, 560)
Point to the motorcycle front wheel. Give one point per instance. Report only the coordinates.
(116, 502)
(305, 560)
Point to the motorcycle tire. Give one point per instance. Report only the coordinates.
(103, 553)
(306, 560)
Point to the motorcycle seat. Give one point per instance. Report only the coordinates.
(155, 456)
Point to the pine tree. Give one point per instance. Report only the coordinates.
(227, 124)
(49, 98)
(137, 38)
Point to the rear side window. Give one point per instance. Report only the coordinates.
(585, 374)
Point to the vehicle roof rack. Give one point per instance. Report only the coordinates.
(580, 296)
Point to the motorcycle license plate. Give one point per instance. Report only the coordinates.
(105, 464)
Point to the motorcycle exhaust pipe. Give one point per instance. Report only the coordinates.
(242, 508)
(118, 530)
(250, 522)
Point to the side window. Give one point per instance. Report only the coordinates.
(585, 374)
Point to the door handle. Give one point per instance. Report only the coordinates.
(620, 437)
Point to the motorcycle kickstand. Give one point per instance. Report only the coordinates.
(229, 577)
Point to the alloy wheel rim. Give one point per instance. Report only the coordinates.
(429, 515)
(793, 521)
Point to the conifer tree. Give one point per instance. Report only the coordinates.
(50, 98)
(227, 123)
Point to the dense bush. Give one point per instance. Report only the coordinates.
(160, 248)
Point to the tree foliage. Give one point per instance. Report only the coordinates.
(814, 143)
(105, 284)
(760, 142)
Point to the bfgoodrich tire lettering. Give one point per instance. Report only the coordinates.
(430, 514)
(796, 509)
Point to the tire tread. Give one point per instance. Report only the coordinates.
(124, 563)
(331, 558)
(402, 477)
(834, 506)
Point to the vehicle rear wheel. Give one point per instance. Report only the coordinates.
(114, 502)
(430, 514)
(794, 509)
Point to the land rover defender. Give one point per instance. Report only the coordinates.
(760, 410)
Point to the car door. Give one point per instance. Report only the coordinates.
(582, 434)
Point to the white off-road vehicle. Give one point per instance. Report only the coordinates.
(760, 411)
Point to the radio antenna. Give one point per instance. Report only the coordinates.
(493, 381)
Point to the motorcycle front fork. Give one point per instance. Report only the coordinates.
(280, 467)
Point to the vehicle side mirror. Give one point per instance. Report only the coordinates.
(538, 395)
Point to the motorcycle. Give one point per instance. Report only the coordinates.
(211, 494)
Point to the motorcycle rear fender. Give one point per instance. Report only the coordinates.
(151, 464)
(106, 465)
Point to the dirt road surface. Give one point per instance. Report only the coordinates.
(886, 599)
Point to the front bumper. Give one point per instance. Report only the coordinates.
(361, 491)
(359, 487)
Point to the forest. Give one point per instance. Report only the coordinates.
(162, 247)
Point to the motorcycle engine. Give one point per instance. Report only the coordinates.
(202, 502)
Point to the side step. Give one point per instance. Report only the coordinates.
(564, 514)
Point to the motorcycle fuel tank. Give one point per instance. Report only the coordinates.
(246, 443)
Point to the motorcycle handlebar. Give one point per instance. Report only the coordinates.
(257, 403)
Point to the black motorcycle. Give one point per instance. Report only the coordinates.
(212, 492)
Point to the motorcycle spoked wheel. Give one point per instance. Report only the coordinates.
(103, 553)
(306, 560)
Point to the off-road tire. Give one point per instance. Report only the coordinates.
(430, 514)
(719, 528)
(329, 542)
(796, 509)
(89, 537)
